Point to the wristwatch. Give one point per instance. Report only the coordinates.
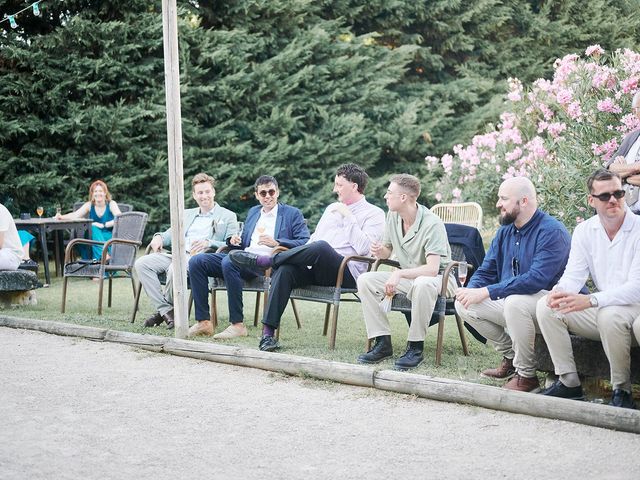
(593, 301)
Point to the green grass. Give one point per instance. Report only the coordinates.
(82, 301)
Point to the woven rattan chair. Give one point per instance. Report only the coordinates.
(444, 305)
(331, 296)
(128, 229)
(466, 213)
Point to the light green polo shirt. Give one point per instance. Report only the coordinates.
(427, 236)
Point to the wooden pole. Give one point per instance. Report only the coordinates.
(174, 141)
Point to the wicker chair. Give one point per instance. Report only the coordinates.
(128, 229)
(444, 305)
(466, 213)
(331, 296)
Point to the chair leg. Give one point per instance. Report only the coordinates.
(334, 326)
(64, 294)
(100, 295)
(327, 311)
(295, 312)
(257, 310)
(136, 303)
(190, 305)
(213, 314)
(440, 339)
(133, 286)
(109, 295)
(463, 337)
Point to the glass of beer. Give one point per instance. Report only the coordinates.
(39, 211)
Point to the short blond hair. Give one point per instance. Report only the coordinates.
(408, 183)
(202, 178)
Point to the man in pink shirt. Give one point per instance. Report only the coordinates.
(347, 227)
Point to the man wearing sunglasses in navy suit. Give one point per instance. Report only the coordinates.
(268, 225)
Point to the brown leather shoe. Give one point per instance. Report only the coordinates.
(154, 320)
(168, 317)
(523, 384)
(203, 327)
(505, 370)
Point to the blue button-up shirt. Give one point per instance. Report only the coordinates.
(523, 261)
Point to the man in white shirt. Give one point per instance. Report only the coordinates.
(268, 225)
(10, 245)
(207, 226)
(626, 162)
(607, 248)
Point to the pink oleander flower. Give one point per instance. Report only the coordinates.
(438, 196)
(629, 85)
(556, 128)
(575, 111)
(564, 96)
(542, 126)
(513, 155)
(608, 105)
(456, 193)
(543, 85)
(515, 89)
(447, 163)
(579, 219)
(536, 147)
(628, 123)
(431, 160)
(594, 51)
(606, 150)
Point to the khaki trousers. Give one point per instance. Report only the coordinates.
(422, 291)
(616, 326)
(515, 314)
(149, 268)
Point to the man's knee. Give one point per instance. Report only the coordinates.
(613, 318)
(544, 313)
(517, 306)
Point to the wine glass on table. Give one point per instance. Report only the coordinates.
(39, 211)
(462, 273)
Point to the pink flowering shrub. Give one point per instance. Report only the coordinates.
(557, 132)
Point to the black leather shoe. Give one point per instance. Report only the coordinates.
(154, 320)
(381, 349)
(410, 359)
(560, 390)
(168, 317)
(622, 398)
(250, 261)
(268, 343)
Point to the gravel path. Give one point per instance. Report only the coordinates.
(76, 409)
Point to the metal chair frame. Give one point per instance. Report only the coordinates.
(125, 257)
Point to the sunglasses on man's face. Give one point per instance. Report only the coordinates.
(263, 193)
(604, 197)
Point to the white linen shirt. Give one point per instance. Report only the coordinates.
(614, 265)
(268, 221)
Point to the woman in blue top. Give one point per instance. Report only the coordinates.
(102, 210)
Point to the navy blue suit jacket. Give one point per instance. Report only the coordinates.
(291, 229)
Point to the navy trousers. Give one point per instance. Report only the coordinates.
(205, 265)
(315, 263)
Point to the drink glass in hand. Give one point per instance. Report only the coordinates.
(40, 211)
(462, 273)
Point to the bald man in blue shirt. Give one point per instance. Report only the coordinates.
(525, 260)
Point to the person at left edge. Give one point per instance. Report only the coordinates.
(207, 226)
(268, 225)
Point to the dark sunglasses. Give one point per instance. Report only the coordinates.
(604, 197)
(263, 193)
(515, 267)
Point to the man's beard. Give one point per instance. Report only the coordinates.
(509, 217)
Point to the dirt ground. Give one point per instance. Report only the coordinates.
(75, 409)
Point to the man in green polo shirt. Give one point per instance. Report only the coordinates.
(418, 241)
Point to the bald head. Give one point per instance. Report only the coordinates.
(517, 201)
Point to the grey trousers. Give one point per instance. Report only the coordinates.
(148, 269)
(422, 291)
(617, 327)
(510, 325)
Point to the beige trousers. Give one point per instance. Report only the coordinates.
(616, 326)
(422, 291)
(510, 325)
